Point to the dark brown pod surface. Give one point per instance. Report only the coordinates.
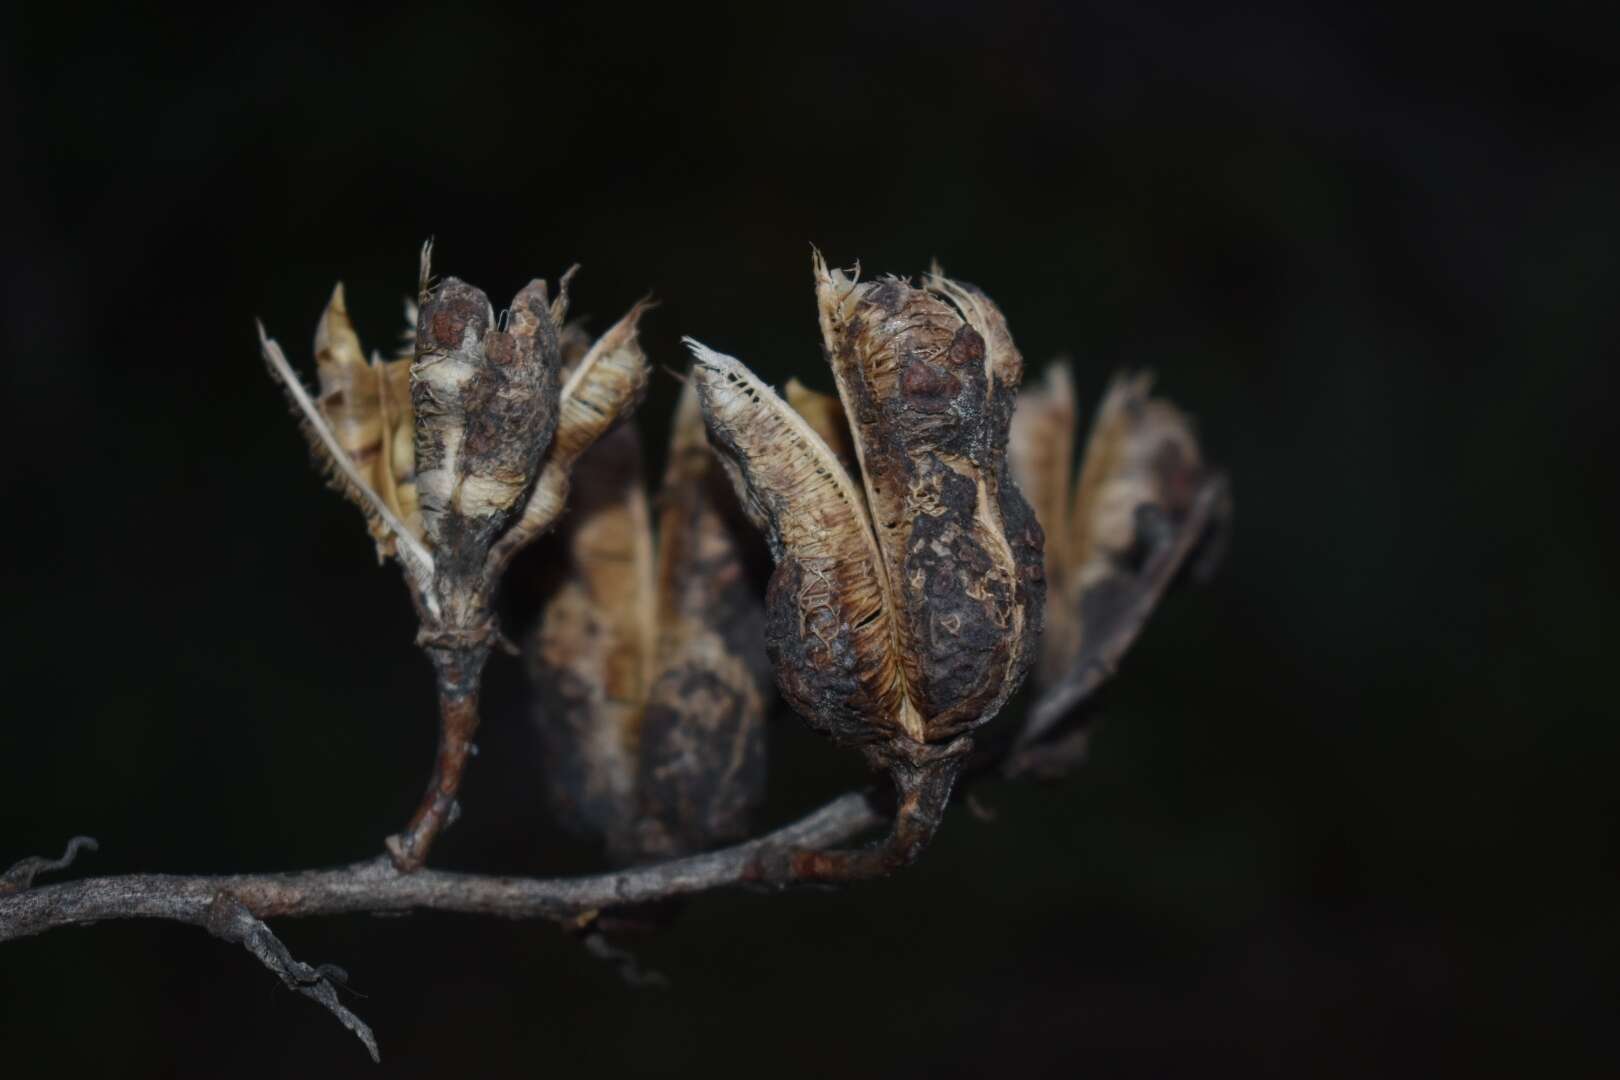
(485, 402)
(928, 377)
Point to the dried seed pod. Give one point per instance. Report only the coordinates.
(928, 376)
(906, 617)
(649, 668)
(485, 401)
(445, 453)
(592, 655)
(1117, 534)
(1140, 472)
(701, 766)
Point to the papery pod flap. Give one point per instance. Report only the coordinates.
(828, 629)
(348, 390)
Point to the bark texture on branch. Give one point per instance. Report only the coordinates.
(375, 885)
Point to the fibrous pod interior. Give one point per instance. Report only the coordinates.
(828, 622)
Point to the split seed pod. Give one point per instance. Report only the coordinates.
(648, 663)
(906, 603)
(452, 457)
(1117, 533)
(460, 454)
(485, 399)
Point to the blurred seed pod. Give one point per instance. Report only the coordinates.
(1116, 534)
(1040, 450)
(648, 662)
(906, 604)
(592, 657)
(701, 769)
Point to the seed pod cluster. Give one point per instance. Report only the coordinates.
(648, 662)
(1118, 531)
(906, 603)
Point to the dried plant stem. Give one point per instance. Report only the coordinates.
(459, 671)
(923, 796)
(234, 906)
(375, 885)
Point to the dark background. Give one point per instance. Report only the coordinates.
(1352, 810)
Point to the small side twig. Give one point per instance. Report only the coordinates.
(630, 969)
(22, 873)
(923, 787)
(228, 919)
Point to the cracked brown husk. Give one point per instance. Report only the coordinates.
(461, 472)
(906, 603)
(648, 662)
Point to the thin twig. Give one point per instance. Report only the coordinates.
(234, 906)
(374, 885)
(22, 873)
(629, 968)
(229, 919)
